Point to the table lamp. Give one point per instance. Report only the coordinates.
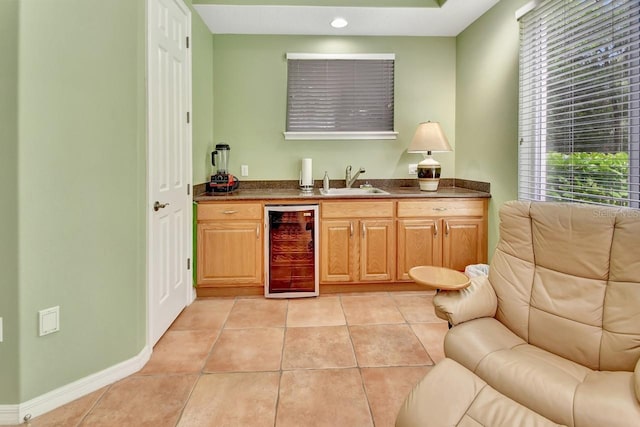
(429, 137)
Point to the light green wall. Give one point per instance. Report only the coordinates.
(343, 3)
(9, 356)
(81, 193)
(487, 106)
(73, 116)
(250, 75)
(202, 100)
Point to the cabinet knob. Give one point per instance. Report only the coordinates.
(440, 209)
(435, 229)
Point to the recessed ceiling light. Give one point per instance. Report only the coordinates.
(339, 23)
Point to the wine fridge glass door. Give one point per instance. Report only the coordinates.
(291, 251)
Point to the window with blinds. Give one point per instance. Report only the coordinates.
(579, 124)
(340, 96)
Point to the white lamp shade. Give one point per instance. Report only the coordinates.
(429, 137)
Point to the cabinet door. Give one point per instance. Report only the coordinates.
(229, 253)
(377, 250)
(463, 242)
(419, 243)
(338, 250)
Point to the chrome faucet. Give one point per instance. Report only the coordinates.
(347, 176)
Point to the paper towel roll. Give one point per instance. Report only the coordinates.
(306, 176)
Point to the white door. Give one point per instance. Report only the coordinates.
(169, 163)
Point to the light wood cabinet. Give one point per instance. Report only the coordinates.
(463, 242)
(377, 250)
(449, 233)
(357, 242)
(364, 244)
(229, 239)
(338, 251)
(417, 245)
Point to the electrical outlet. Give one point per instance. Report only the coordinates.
(49, 320)
(244, 170)
(413, 169)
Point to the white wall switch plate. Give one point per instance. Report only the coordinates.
(244, 170)
(1, 335)
(413, 169)
(49, 320)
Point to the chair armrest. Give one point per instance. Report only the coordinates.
(636, 378)
(477, 300)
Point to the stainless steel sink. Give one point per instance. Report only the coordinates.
(365, 191)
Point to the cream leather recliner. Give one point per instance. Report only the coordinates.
(552, 335)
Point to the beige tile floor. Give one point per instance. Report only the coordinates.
(341, 360)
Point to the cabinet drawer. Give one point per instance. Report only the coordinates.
(372, 209)
(222, 211)
(439, 208)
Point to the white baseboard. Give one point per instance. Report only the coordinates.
(14, 414)
(9, 414)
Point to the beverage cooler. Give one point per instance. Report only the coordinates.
(291, 251)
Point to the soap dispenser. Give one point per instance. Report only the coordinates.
(325, 181)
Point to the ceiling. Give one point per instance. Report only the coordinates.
(365, 17)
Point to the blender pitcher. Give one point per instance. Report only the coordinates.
(222, 152)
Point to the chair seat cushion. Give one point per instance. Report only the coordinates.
(558, 389)
(451, 395)
(470, 342)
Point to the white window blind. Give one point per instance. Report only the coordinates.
(579, 119)
(346, 95)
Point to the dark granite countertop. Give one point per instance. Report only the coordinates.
(397, 188)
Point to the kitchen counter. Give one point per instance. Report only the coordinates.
(397, 188)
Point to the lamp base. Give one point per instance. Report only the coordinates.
(427, 184)
(429, 174)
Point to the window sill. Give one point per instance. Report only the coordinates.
(323, 136)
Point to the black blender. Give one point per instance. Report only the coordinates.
(221, 181)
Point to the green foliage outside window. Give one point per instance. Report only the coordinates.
(589, 177)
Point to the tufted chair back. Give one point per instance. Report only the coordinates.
(567, 278)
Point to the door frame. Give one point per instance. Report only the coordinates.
(188, 239)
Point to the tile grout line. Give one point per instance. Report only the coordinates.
(201, 372)
(348, 326)
(358, 367)
(186, 401)
(84, 417)
(366, 396)
(215, 341)
(410, 325)
(284, 340)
